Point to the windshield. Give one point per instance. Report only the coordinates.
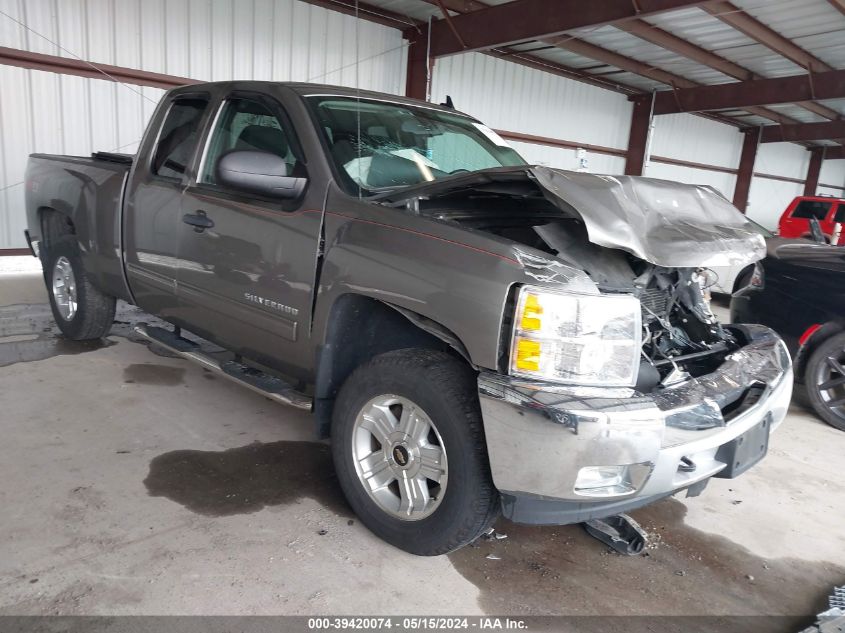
(400, 145)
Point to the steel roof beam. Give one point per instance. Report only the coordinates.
(827, 130)
(759, 32)
(527, 20)
(792, 89)
(586, 49)
(610, 58)
(680, 46)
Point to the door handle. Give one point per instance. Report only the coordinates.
(199, 220)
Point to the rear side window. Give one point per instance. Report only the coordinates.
(808, 209)
(840, 213)
(178, 137)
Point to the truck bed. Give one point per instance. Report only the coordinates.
(89, 189)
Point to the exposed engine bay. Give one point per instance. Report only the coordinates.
(681, 337)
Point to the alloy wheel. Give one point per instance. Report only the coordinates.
(64, 288)
(399, 457)
(830, 382)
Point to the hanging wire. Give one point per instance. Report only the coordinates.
(351, 64)
(358, 94)
(84, 61)
(428, 62)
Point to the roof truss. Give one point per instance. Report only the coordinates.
(803, 132)
(527, 20)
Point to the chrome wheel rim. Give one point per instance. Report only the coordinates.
(64, 288)
(830, 382)
(400, 457)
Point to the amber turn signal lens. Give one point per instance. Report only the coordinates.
(528, 355)
(531, 312)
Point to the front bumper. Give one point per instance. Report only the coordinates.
(540, 436)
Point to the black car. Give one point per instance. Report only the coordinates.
(799, 291)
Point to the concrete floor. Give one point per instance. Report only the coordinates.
(139, 484)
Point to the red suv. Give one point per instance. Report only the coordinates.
(795, 221)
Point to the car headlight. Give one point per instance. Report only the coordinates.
(590, 340)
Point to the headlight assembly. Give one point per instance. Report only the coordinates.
(589, 340)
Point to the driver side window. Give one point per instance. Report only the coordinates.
(245, 124)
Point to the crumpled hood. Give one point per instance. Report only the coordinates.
(663, 222)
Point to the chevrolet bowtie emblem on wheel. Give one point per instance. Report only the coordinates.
(400, 455)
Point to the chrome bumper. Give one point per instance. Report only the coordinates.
(540, 436)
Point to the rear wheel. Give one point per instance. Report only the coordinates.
(825, 381)
(81, 311)
(410, 454)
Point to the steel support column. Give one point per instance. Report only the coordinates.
(746, 169)
(419, 65)
(813, 171)
(638, 137)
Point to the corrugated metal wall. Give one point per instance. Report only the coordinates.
(510, 97)
(721, 181)
(768, 198)
(292, 40)
(833, 173)
(693, 138)
(564, 158)
(202, 39)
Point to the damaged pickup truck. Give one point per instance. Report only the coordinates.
(477, 336)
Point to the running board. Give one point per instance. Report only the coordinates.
(251, 378)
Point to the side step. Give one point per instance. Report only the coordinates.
(251, 378)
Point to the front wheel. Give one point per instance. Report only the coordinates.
(410, 454)
(81, 311)
(824, 380)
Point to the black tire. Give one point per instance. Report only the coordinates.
(743, 279)
(819, 370)
(94, 313)
(445, 388)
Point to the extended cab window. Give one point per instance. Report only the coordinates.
(808, 209)
(378, 145)
(245, 124)
(840, 213)
(178, 137)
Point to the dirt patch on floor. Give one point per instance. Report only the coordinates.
(562, 570)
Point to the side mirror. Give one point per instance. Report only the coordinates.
(260, 173)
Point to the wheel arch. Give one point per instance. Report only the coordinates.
(819, 336)
(54, 224)
(361, 327)
(748, 269)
